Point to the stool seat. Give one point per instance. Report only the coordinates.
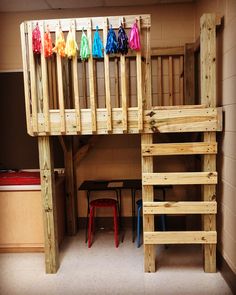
(103, 203)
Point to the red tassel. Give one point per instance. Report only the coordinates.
(36, 40)
(47, 44)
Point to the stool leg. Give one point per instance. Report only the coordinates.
(90, 227)
(139, 226)
(163, 222)
(115, 227)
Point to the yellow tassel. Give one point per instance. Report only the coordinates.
(71, 45)
(60, 43)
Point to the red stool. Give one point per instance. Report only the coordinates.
(102, 203)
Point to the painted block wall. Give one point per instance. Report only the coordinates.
(226, 97)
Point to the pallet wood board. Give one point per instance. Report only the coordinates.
(179, 178)
(187, 148)
(179, 207)
(180, 237)
(163, 120)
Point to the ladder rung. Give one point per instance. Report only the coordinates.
(179, 207)
(179, 178)
(187, 148)
(180, 237)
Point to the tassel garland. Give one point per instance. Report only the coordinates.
(134, 38)
(84, 47)
(36, 40)
(71, 45)
(47, 44)
(60, 43)
(97, 45)
(111, 46)
(122, 41)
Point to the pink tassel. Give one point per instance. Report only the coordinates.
(134, 38)
(36, 40)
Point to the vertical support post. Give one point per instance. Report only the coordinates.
(93, 105)
(71, 199)
(49, 204)
(148, 196)
(208, 97)
(44, 83)
(107, 79)
(189, 82)
(76, 84)
(117, 99)
(148, 73)
(24, 50)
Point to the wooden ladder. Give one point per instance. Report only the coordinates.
(206, 207)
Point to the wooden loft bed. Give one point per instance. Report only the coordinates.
(63, 97)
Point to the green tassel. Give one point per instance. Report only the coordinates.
(84, 47)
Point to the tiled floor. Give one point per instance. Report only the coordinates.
(103, 269)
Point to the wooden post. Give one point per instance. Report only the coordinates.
(181, 79)
(189, 82)
(49, 204)
(208, 97)
(170, 73)
(71, 193)
(148, 196)
(159, 81)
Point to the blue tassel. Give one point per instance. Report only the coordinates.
(97, 45)
(111, 46)
(122, 41)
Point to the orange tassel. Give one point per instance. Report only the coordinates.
(47, 44)
(60, 43)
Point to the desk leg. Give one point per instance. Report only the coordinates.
(133, 214)
(86, 229)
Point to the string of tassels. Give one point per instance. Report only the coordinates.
(97, 45)
(134, 38)
(36, 40)
(112, 45)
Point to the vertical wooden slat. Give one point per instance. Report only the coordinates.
(208, 97)
(50, 83)
(148, 196)
(159, 81)
(181, 79)
(26, 79)
(93, 105)
(60, 89)
(148, 73)
(49, 204)
(44, 82)
(54, 82)
(32, 80)
(189, 76)
(117, 103)
(84, 84)
(123, 92)
(139, 84)
(170, 72)
(76, 84)
(127, 60)
(107, 79)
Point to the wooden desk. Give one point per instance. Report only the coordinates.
(118, 185)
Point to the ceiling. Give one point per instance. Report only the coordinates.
(31, 5)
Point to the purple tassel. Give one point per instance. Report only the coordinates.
(122, 41)
(134, 38)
